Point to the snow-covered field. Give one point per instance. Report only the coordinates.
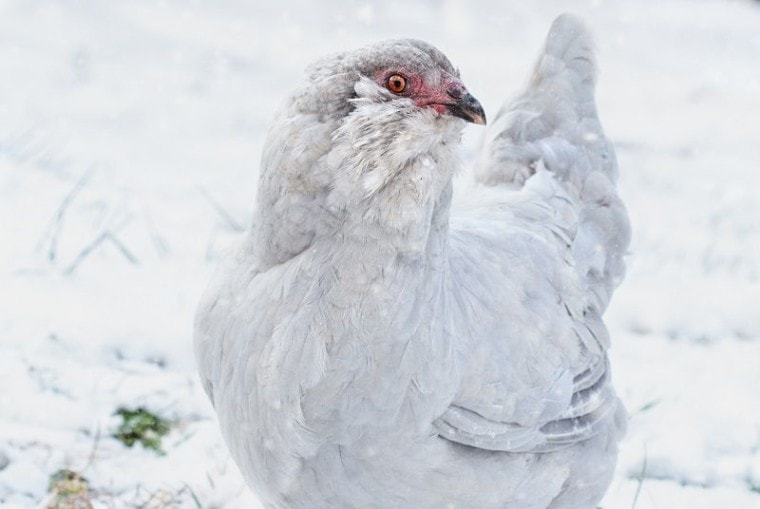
(129, 143)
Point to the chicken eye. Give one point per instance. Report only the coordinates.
(396, 83)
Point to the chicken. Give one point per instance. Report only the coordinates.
(367, 345)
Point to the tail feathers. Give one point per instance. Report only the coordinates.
(569, 49)
(554, 125)
(555, 117)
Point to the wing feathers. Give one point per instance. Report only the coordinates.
(591, 404)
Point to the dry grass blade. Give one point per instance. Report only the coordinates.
(642, 476)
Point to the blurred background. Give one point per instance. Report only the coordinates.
(130, 136)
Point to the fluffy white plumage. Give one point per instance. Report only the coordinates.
(364, 349)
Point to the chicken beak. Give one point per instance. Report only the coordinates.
(469, 109)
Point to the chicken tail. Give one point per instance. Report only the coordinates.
(554, 126)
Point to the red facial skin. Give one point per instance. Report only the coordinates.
(438, 96)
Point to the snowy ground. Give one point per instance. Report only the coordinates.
(129, 142)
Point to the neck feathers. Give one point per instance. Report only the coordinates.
(393, 169)
(380, 176)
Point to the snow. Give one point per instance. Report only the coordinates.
(129, 139)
